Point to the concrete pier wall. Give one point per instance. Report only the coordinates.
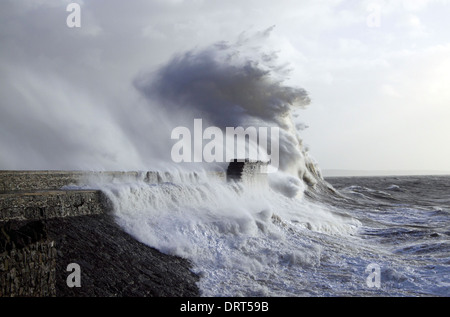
(37, 205)
(47, 222)
(27, 260)
(250, 172)
(56, 180)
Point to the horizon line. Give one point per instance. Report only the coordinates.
(393, 172)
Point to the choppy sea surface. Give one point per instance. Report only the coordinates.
(406, 220)
(361, 236)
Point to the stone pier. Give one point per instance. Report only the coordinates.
(247, 171)
(47, 222)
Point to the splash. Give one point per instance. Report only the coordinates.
(243, 240)
(230, 85)
(238, 84)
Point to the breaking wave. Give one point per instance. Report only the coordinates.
(241, 238)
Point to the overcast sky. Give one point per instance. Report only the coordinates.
(377, 74)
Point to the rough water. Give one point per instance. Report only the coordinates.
(407, 221)
(253, 240)
(279, 238)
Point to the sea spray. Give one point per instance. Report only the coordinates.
(241, 238)
(230, 85)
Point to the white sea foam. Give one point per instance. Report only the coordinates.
(228, 230)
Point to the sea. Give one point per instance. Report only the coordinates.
(352, 236)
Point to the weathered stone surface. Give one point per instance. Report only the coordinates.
(54, 180)
(27, 260)
(49, 204)
(34, 258)
(37, 180)
(113, 263)
(247, 171)
(43, 228)
(46, 224)
(14, 181)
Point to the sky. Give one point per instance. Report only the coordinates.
(377, 73)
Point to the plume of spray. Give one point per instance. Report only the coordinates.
(227, 232)
(237, 84)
